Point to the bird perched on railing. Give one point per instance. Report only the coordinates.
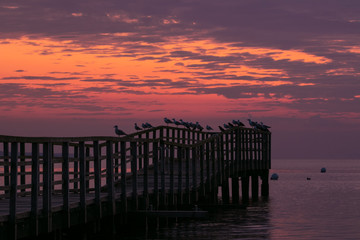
(118, 131)
(167, 121)
(230, 125)
(221, 129)
(252, 124)
(264, 127)
(137, 128)
(146, 125)
(209, 128)
(238, 123)
(177, 123)
(198, 126)
(226, 126)
(185, 124)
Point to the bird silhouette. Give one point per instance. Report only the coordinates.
(118, 131)
(137, 128)
(177, 123)
(148, 125)
(221, 129)
(208, 128)
(167, 121)
(238, 123)
(230, 125)
(226, 126)
(198, 126)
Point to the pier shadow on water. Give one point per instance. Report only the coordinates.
(228, 222)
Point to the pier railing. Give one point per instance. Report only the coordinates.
(164, 167)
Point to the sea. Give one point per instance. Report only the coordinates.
(303, 204)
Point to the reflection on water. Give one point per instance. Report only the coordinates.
(325, 207)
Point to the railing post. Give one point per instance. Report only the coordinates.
(6, 166)
(214, 185)
(194, 170)
(13, 189)
(146, 177)
(35, 189)
(82, 164)
(171, 160)
(156, 173)
(187, 175)
(22, 166)
(110, 176)
(162, 170)
(133, 146)
(180, 191)
(202, 184)
(65, 185)
(123, 175)
(76, 167)
(97, 182)
(47, 186)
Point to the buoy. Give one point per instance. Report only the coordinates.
(274, 176)
(323, 170)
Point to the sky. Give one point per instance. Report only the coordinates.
(77, 68)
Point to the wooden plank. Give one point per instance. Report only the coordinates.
(65, 186)
(35, 184)
(13, 189)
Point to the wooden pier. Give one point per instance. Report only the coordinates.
(53, 184)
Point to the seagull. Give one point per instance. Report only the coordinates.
(198, 126)
(230, 125)
(177, 123)
(185, 124)
(252, 124)
(167, 121)
(137, 128)
(209, 128)
(226, 126)
(221, 129)
(238, 123)
(148, 125)
(264, 127)
(119, 132)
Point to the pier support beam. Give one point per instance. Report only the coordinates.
(225, 191)
(235, 190)
(254, 187)
(245, 188)
(265, 183)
